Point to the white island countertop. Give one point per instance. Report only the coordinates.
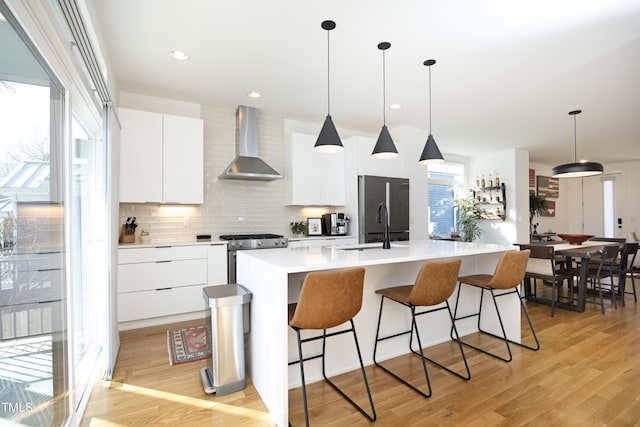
(296, 260)
(275, 278)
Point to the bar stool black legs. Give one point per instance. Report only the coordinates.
(504, 334)
(301, 360)
(434, 285)
(420, 352)
(508, 274)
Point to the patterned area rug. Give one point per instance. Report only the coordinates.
(188, 344)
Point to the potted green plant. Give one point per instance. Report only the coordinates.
(537, 205)
(467, 216)
(298, 228)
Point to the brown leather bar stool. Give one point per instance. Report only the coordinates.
(508, 274)
(329, 299)
(434, 284)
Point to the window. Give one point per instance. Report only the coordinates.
(444, 184)
(608, 206)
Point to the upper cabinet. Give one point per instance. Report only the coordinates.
(313, 178)
(161, 158)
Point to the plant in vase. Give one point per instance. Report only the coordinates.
(537, 205)
(467, 219)
(298, 228)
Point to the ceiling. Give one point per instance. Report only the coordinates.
(507, 71)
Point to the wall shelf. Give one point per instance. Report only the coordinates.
(491, 202)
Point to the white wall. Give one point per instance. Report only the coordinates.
(559, 222)
(513, 168)
(585, 200)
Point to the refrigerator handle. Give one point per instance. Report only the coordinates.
(387, 203)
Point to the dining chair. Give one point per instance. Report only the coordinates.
(630, 270)
(432, 288)
(329, 299)
(542, 267)
(508, 274)
(601, 272)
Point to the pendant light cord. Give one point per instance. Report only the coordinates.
(384, 92)
(575, 139)
(328, 78)
(429, 99)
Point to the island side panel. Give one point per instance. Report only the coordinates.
(268, 350)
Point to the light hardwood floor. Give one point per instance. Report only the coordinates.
(587, 373)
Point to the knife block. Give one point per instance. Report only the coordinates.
(126, 238)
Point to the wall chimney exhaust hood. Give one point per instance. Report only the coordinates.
(247, 165)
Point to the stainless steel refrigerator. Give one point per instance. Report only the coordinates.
(394, 193)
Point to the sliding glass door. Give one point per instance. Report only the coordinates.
(87, 238)
(52, 225)
(34, 380)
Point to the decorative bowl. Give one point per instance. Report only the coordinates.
(575, 239)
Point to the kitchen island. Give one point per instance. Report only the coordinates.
(275, 277)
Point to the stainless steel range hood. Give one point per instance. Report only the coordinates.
(247, 165)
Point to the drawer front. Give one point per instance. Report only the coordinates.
(161, 253)
(158, 275)
(167, 302)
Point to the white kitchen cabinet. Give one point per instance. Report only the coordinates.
(161, 158)
(154, 282)
(140, 156)
(183, 160)
(313, 178)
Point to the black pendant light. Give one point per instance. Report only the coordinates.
(385, 148)
(328, 139)
(431, 153)
(576, 169)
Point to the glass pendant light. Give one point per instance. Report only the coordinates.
(431, 152)
(385, 148)
(328, 139)
(576, 169)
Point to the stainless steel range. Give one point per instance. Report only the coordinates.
(241, 242)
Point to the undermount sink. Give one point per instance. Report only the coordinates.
(365, 246)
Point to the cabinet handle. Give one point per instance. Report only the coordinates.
(163, 247)
(158, 262)
(163, 289)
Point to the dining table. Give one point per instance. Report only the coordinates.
(581, 254)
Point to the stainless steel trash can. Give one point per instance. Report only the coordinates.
(227, 311)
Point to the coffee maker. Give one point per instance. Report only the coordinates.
(334, 224)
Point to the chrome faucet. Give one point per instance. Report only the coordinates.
(386, 244)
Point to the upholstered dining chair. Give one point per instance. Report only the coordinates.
(433, 286)
(541, 266)
(508, 274)
(329, 299)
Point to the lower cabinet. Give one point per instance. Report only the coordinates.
(167, 280)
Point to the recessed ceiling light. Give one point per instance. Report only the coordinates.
(179, 55)
(395, 106)
(254, 94)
